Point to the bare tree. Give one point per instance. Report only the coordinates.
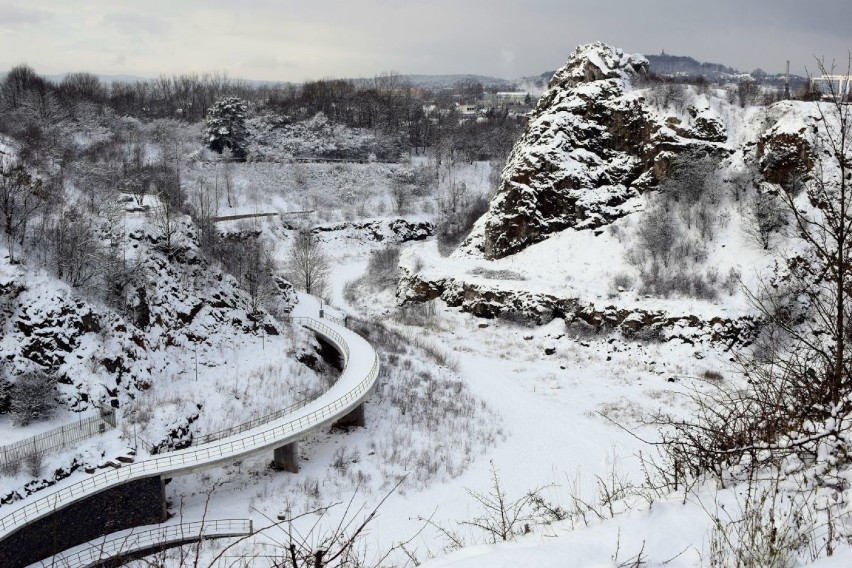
(825, 227)
(258, 277)
(799, 372)
(166, 218)
(307, 263)
(74, 247)
(20, 199)
(768, 217)
(206, 209)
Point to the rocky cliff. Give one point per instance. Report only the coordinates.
(590, 149)
(637, 200)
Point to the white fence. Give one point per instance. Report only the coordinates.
(126, 543)
(65, 436)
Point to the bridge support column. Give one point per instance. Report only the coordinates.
(354, 418)
(286, 458)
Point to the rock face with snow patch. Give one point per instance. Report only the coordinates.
(785, 151)
(535, 308)
(589, 149)
(390, 231)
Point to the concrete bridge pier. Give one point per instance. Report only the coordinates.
(286, 458)
(354, 418)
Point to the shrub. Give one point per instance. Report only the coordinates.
(622, 281)
(10, 467)
(712, 376)
(382, 268)
(6, 390)
(33, 462)
(658, 235)
(33, 397)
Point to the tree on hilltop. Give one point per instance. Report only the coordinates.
(226, 126)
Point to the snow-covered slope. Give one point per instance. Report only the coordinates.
(601, 176)
(178, 352)
(589, 150)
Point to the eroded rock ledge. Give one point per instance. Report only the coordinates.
(532, 308)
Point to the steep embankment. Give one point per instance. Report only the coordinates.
(590, 148)
(167, 339)
(629, 204)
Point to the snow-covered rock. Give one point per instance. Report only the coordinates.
(593, 145)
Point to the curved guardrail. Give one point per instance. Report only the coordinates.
(252, 424)
(134, 541)
(351, 389)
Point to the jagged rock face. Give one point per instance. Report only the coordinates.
(538, 308)
(588, 152)
(95, 357)
(785, 151)
(394, 231)
(573, 165)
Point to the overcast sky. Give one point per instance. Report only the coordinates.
(284, 40)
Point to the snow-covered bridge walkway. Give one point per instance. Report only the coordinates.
(356, 381)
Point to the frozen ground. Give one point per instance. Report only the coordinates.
(540, 419)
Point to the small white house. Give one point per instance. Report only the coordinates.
(466, 109)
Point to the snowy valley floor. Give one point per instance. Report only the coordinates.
(542, 420)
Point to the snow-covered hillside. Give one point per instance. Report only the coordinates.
(628, 205)
(187, 354)
(610, 282)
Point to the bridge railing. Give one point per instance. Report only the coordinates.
(138, 540)
(213, 453)
(278, 414)
(64, 436)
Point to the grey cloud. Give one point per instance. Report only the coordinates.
(280, 40)
(135, 23)
(13, 16)
(270, 63)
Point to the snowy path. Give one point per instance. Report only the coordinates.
(361, 369)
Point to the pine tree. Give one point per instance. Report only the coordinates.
(226, 126)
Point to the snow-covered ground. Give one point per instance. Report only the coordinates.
(546, 413)
(541, 420)
(461, 398)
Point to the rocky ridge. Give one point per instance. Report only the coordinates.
(500, 302)
(589, 150)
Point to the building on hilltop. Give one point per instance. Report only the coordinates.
(840, 85)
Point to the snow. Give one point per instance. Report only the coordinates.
(346, 393)
(542, 399)
(547, 406)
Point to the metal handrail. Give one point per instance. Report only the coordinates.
(252, 424)
(209, 455)
(137, 540)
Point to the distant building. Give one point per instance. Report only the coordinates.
(840, 85)
(506, 99)
(512, 98)
(466, 109)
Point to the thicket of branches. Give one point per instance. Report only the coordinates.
(32, 108)
(798, 398)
